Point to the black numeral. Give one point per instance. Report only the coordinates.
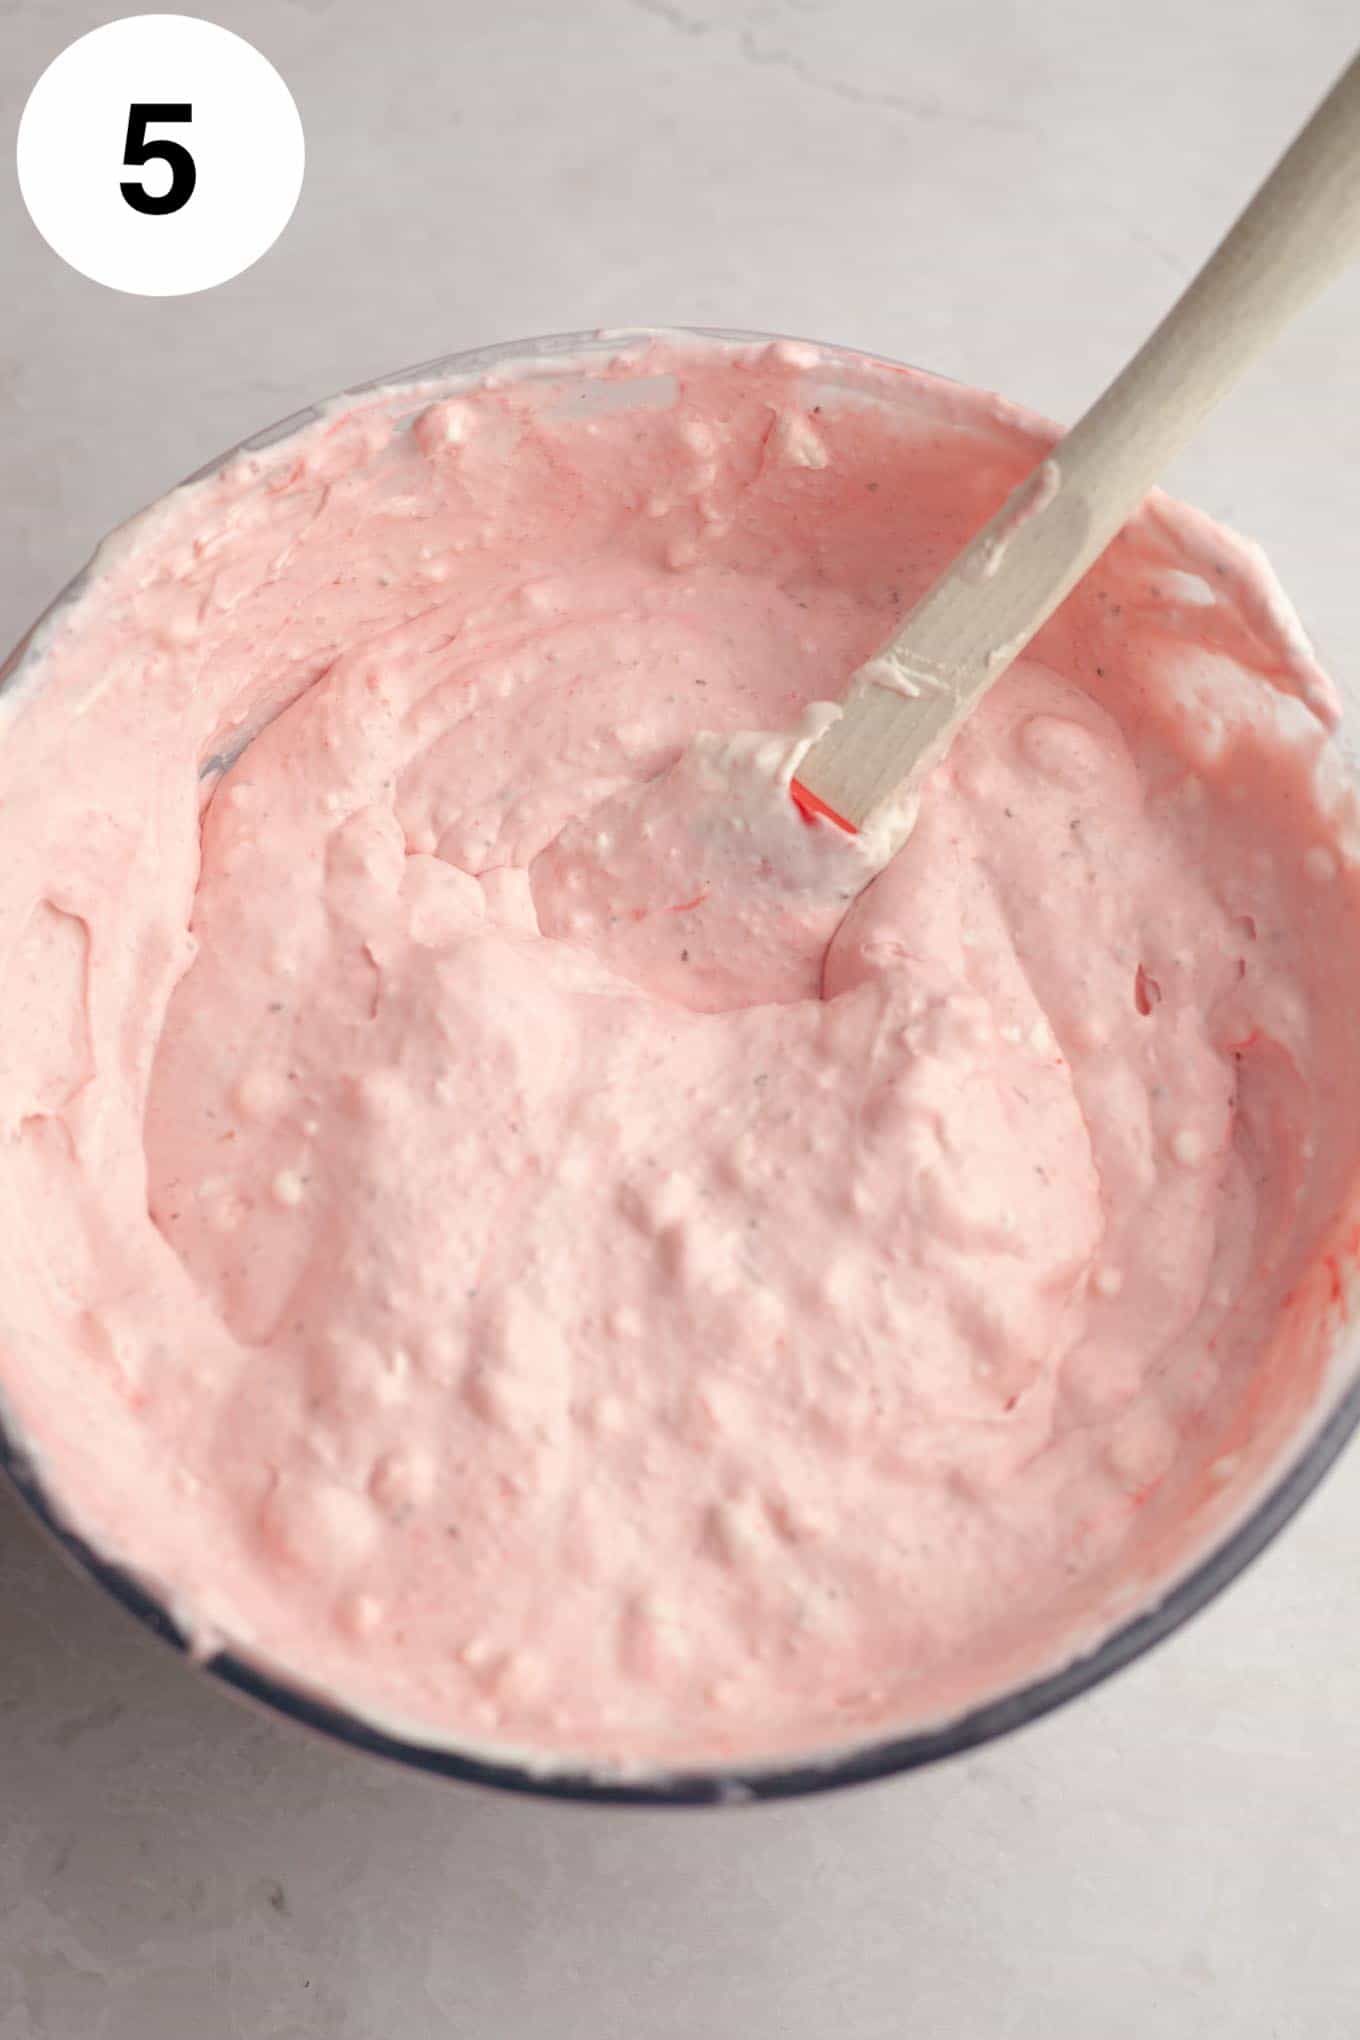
(138, 150)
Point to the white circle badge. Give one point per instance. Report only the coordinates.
(160, 155)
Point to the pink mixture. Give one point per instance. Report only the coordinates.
(506, 1223)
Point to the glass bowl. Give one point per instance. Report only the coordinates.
(1318, 1443)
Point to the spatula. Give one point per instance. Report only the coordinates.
(905, 704)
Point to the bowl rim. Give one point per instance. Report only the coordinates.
(705, 1785)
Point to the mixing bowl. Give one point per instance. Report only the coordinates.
(1307, 1435)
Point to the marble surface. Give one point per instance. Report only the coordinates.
(1008, 192)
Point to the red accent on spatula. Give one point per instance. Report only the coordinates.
(810, 805)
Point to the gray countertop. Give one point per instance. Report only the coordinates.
(1011, 193)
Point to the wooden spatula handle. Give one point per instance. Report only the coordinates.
(1300, 230)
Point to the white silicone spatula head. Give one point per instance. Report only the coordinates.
(903, 707)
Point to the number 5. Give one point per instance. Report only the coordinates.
(138, 150)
